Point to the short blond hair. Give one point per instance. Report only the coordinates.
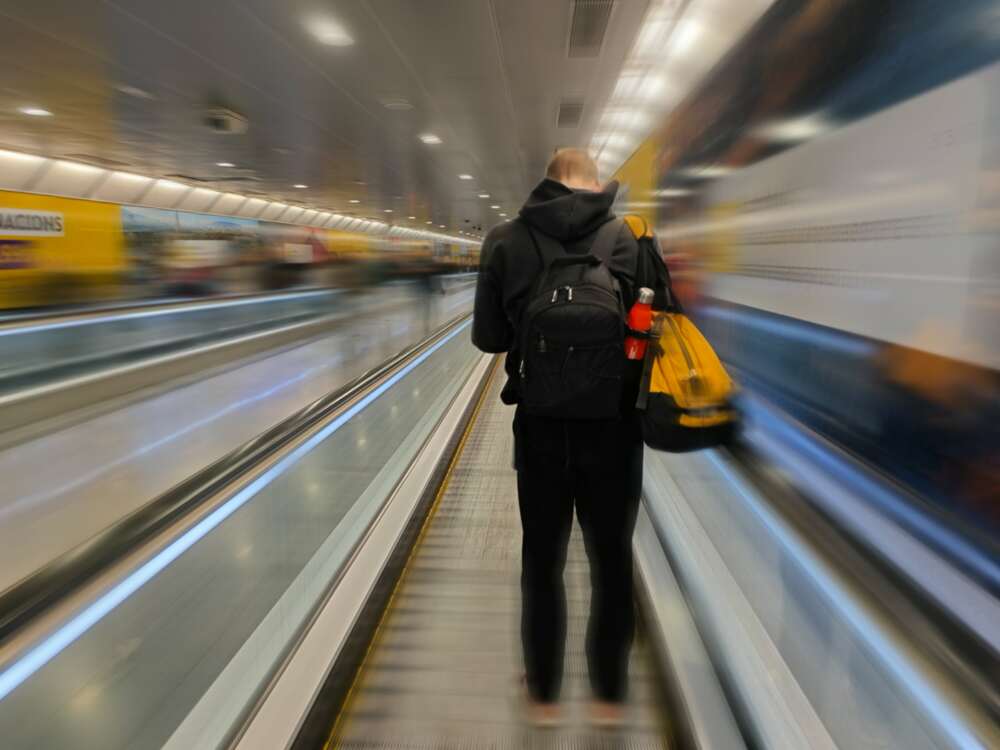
(572, 164)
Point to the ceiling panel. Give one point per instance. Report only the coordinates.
(129, 82)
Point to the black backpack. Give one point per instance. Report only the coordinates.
(572, 332)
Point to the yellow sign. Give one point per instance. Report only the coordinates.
(57, 249)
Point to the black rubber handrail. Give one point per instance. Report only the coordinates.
(44, 316)
(29, 598)
(104, 360)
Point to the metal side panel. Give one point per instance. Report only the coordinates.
(808, 658)
(279, 717)
(705, 721)
(760, 681)
(445, 666)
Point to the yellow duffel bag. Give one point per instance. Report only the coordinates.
(686, 398)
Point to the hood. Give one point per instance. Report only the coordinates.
(567, 214)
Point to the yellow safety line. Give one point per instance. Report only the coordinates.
(355, 684)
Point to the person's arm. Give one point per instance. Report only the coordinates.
(491, 331)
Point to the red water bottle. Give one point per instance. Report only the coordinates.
(640, 319)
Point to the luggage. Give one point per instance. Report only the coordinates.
(686, 395)
(573, 332)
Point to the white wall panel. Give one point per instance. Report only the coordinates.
(17, 170)
(69, 178)
(199, 199)
(165, 194)
(229, 204)
(252, 207)
(273, 211)
(122, 187)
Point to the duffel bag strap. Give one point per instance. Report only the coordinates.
(632, 333)
(652, 352)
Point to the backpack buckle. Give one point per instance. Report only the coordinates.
(567, 289)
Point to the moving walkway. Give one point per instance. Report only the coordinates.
(350, 579)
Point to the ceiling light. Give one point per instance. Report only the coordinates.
(329, 32)
(495, 206)
(354, 200)
(651, 38)
(441, 226)
(430, 222)
(639, 86)
(88, 168)
(618, 140)
(625, 119)
(465, 177)
(19, 156)
(388, 211)
(794, 130)
(503, 214)
(396, 103)
(430, 139)
(170, 184)
(484, 195)
(706, 171)
(685, 35)
(411, 218)
(300, 186)
(135, 91)
(35, 112)
(224, 164)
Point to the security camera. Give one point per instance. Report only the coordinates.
(226, 121)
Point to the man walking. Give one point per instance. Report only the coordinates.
(576, 432)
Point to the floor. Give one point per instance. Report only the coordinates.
(444, 670)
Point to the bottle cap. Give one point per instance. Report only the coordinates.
(645, 295)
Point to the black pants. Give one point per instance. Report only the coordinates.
(596, 466)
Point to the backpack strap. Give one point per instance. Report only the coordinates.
(638, 226)
(548, 248)
(651, 269)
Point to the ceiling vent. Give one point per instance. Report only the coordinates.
(570, 113)
(587, 27)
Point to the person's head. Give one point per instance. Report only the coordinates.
(574, 168)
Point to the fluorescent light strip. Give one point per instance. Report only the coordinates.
(54, 644)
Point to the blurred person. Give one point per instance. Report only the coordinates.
(424, 273)
(592, 464)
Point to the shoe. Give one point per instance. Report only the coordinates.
(607, 715)
(540, 715)
(543, 715)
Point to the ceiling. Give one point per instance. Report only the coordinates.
(129, 83)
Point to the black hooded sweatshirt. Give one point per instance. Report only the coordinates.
(509, 267)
